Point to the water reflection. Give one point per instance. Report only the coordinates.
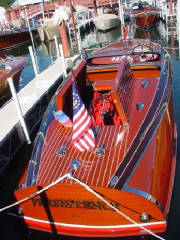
(49, 48)
(152, 34)
(22, 50)
(45, 54)
(108, 36)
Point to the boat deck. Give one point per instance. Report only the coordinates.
(95, 170)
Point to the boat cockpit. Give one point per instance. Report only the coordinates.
(107, 83)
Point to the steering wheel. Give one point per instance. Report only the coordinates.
(143, 51)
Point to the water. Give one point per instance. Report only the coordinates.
(46, 53)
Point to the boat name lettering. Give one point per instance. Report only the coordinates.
(73, 204)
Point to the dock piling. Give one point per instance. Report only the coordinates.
(56, 44)
(63, 59)
(33, 61)
(95, 8)
(18, 108)
(64, 39)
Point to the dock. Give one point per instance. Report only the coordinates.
(34, 99)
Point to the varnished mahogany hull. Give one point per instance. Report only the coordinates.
(72, 210)
(5, 93)
(14, 38)
(131, 174)
(16, 64)
(146, 22)
(79, 214)
(146, 19)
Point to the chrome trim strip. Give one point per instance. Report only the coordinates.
(144, 195)
(138, 225)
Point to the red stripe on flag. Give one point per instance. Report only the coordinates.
(83, 136)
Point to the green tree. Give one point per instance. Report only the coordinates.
(5, 3)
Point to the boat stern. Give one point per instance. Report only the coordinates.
(75, 210)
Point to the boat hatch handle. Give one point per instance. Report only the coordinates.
(139, 106)
(75, 164)
(61, 151)
(144, 84)
(100, 151)
(144, 195)
(114, 180)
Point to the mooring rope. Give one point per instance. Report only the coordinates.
(69, 175)
(114, 208)
(36, 193)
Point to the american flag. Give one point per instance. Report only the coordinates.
(83, 136)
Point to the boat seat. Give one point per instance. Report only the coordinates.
(122, 90)
(103, 85)
(146, 71)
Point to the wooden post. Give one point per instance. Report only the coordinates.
(171, 11)
(64, 39)
(95, 8)
(170, 7)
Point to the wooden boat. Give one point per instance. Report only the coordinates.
(144, 15)
(16, 37)
(104, 159)
(9, 67)
(105, 22)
